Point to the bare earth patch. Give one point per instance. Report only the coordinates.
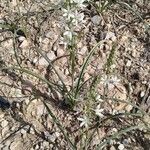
(38, 70)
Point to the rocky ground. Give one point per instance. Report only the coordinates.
(32, 27)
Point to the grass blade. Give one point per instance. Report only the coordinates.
(121, 132)
(84, 67)
(60, 127)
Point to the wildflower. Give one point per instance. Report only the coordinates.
(68, 35)
(109, 82)
(79, 3)
(84, 121)
(99, 111)
(68, 13)
(78, 17)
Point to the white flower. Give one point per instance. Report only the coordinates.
(79, 3)
(99, 111)
(110, 81)
(84, 121)
(68, 13)
(78, 18)
(68, 35)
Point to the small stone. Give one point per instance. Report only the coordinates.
(1, 116)
(14, 3)
(114, 130)
(24, 44)
(45, 144)
(112, 148)
(45, 41)
(40, 110)
(86, 76)
(37, 146)
(110, 36)
(134, 53)
(80, 60)
(4, 123)
(51, 55)
(27, 101)
(16, 145)
(83, 50)
(66, 71)
(142, 93)
(57, 134)
(5, 131)
(121, 147)
(43, 62)
(51, 137)
(8, 44)
(49, 34)
(128, 64)
(21, 38)
(113, 66)
(96, 19)
(60, 52)
(128, 108)
(32, 131)
(23, 131)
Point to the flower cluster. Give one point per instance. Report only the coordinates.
(85, 120)
(73, 18)
(109, 81)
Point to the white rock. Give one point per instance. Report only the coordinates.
(40, 110)
(5, 147)
(121, 147)
(13, 3)
(24, 44)
(86, 76)
(51, 137)
(32, 131)
(21, 38)
(51, 55)
(43, 62)
(83, 50)
(57, 134)
(128, 108)
(45, 41)
(27, 101)
(60, 52)
(110, 36)
(45, 144)
(134, 52)
(37, 146)
(8, 44)
(5, 131)
(114, 130)
(66, 71)
(1, 116)
(96, 19)
(49, 34)
(142, 93)
(128, 64)
(4, 123)
(16, 145)
(112, 148)
(23, 131)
